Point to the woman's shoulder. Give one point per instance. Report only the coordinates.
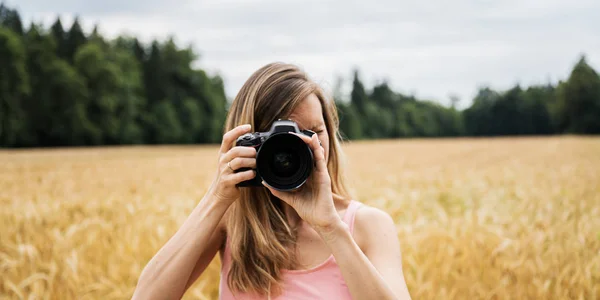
(372, 223)
(372, 218)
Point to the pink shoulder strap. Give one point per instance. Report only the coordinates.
(351, 213)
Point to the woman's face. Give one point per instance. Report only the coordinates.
(309, 115)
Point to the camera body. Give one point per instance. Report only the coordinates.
(283, 160)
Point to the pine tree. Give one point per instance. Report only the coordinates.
(358, 97)
(75, 38)
(14, 87)
(138, 51)
(580, 100)
(60, 37)
(11, 19)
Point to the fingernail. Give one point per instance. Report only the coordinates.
(246, 126)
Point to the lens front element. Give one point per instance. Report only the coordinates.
(284, 161)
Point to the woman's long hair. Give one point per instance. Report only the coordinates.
(261, 240)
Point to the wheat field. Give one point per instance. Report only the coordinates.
(505, 218)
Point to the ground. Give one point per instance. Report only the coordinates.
(504, 218)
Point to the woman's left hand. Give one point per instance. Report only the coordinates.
(314, 201)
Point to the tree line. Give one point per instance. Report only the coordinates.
(63, 87)
(568, 107)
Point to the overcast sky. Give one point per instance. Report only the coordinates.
(430, 48)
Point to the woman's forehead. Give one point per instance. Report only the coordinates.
(308, 113)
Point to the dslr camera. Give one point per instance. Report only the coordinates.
(283, 160)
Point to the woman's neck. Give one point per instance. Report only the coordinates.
(291, 215)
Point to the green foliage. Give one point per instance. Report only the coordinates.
(191, 118)
(69, 121)
(74, 39)
(478, 117)
(358, 98)
(349, 121)
(70, 88)
(571, 107)
(67, 88)
(167, 127)
(383, 113)
(538, 103)
(14, 87)
(11, 19)
(129, 88)
(579, 100)
(37, 106)
(60, 37)
(514, 112)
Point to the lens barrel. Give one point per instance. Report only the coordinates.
(284, 161)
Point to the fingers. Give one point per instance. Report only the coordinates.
(315, 145)
(304, 137)
(235, 178)
(318, 150)
(238, 151)
(232, 135)
(243, 162)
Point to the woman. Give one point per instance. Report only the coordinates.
(314, 243)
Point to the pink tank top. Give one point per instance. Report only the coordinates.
(324, 281)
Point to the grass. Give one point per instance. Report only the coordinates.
(507, 218)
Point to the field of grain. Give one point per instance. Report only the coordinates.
(508, 218)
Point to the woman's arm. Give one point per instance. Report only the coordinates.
(169, 272)
(375, 273)
(185, 256)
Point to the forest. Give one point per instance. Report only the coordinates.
(64, 87)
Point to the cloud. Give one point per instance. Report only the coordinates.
(97, 8)
(431, 48)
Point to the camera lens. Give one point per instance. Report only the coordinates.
(284, 161)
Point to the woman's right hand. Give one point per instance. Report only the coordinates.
(231, 158)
